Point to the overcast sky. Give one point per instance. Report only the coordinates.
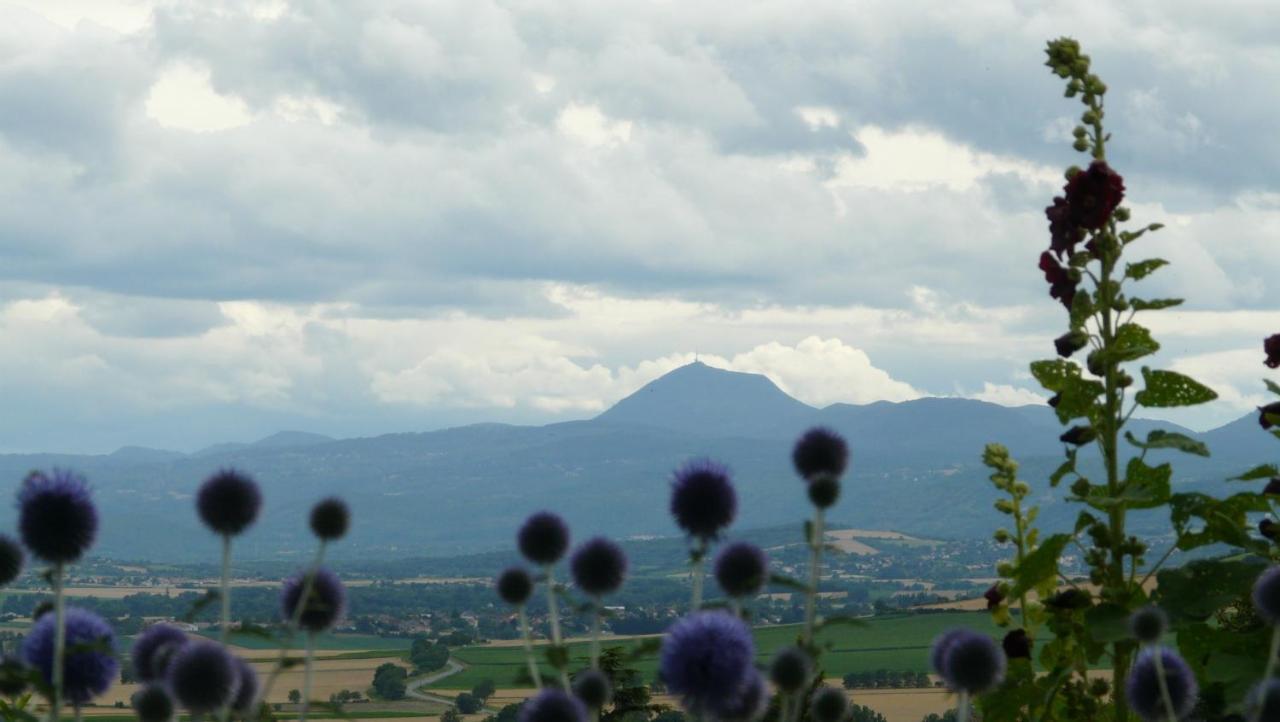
(218, 220)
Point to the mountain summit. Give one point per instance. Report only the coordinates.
(707, 401)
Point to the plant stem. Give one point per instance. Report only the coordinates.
(696, 572)
(815, 575)
(59, 640)
(306, 676)
(595, 633)
(553, 612)
(291, 629)
(225, 619)
(962, 708)
(1275, 650)
(1164, 684)
(528, 649)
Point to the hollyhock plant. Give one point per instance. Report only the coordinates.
(1092, 196)
(88, 668)
(1271, 347)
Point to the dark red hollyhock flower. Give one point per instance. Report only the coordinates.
(1016, 644)
(1272, 487)
(1069, 343)
(1272, 347)
(1267, 528)
(1061, 286)
(1092, 195)
(1063, 234)
(993, 597)
(1272, 409)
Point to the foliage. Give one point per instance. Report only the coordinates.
(483, 689)
(389, 681)
(428, 656)
(467, 703)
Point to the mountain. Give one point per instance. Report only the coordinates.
(915, 467)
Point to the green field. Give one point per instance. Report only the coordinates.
(895, 642)
(327, 641)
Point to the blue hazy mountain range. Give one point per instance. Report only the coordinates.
(915, 468)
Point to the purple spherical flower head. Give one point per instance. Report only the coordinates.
(330, 518)
(89, 666)
(324, 605)
(203, 677)
(553, 705)
(247, 690)
(153, 704)
(820, 452)
(1266, 595)
(11, 559)
(56, 516)
(973, 663)
(703, 500)
(1263, 702)
(938, 651)
(543, 538)
(154, 649)
(706, 657)
(741, 569)
(514, 586)
(1143, 685)
(598, 566)
(228, 502)
(747, 704)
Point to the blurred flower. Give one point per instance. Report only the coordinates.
(11, 559)
(514, 586)
(1143, 685)
(247, 687)
(89, 665)
(1063, 234)
(553, 705)
(820, 452)
(706, 657)
(1266, 595)
(598, 566)
(1016, 644)
(1061, 285)
(1092, 195)
(828, 705)
(1147, 625)
(56, 516)
(1271, 346)
(593, 688)
(972, 662)
(742, 569)
(153, 704)
(790, 669)
(745, 705)
(154, 649)
(228, 502)
(993, 597)
(323, 606)
(15, 676)
(1270, 410)
(938, 650)
(1263, 702)
(1068, 343)
(703, 500)
(203, 677)
(330, 519)
(543, 538)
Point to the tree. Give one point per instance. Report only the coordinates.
(428, 656)
(467, 703)
(483, 690)
(450, 715)
(295, 696)
(862, 713)
(389, 681)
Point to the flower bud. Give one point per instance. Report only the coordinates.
(1002, 536)
(1080, 145)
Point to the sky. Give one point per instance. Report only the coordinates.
(223, 219)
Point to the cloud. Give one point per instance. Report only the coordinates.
(1007, 395)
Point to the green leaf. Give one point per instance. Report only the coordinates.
(1154, 304)
(1076, 395)
(1145, 487)
(1216, 520)
(1272, 386)
(1039, 565)
(1132, 342)
(1165, 389)
(1160, 439)
(1194, 591)
(1262, 471)
(1067, 467)
(1054, 374)
(1108, 622)
(1142, 269)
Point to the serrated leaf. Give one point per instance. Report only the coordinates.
(1142, 269)
(1076, 395)
(1165, 389)
(1107, 622)
(1262, 471)
(1160, 439)
(1039, 565)
(1155, 304)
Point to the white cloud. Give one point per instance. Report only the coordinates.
(1007, 395)
(183, 98)
(587, 124)
(820, 372)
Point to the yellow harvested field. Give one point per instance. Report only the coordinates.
(200, 586)
(870, 534)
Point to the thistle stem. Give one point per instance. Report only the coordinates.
(815, 575)
(962, 708)
(225, 620)
(595, 633)
(291, 629)
(59, 640)
(553, 612)
(306, 677)
(1275, 651)
(1164, 684)
(696, 573)
(528, 649)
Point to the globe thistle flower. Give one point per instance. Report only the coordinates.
(11, 560)
(553, 705)
(56, 516)
(154, 649)
(747, 704)
(593, 688)
(1016, 645)
(1147, 625)
(703, 500)
(1092, 195)
(705, 658)
(323, 606)
(153, 704)
(89, 665)
(1062, 285)
(820, 452)
(1143, 685)
(1268, 412)
(828, 704)
(972, 662)
(1266, 595)
(203, 677)
(790, 669)
(1263, 702)
(330, 519)
(543, 538)
(228, 502)
(741, 569)
(247, 690)
(1271, 346)
(938, 650)
(14, 676)
(824, 491)
(598, 566)
(515, 586)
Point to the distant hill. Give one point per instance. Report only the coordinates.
(915, 468)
